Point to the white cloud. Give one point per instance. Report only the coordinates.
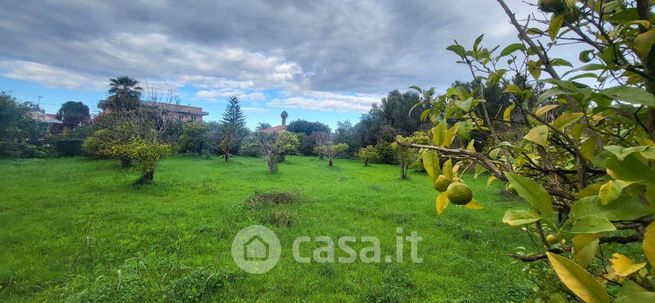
(243, 95)
(254, 109)
(48, 75)
(327, 101)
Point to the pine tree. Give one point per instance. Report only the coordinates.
(233, 127)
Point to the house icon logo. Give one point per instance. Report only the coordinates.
(256, 249)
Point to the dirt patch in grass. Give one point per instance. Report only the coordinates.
(266, 199)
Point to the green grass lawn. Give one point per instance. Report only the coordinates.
(77, 230)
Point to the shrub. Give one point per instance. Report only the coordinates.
(368, 154)
(142, 153)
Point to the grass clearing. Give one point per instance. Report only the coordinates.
(77, 230)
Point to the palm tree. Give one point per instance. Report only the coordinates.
(124, 93)
(284, 116)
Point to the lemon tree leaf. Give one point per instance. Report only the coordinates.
(516, 217)
(629, 208)
(442, 202)
(566, 119)
(538, 135)
(612, 189)
(585, 247)
(507, 113)
(592, 225)
(431, 163)
(630, 94)
(448, 169)
(450, 135)
(474, 205)
(649, 243)
(490, 180)
(621, 152)
(533, 193)
(457, 49)
(638, 297)
(578, 280)
(555, 24)
(508, 50)
(588, 148)
(465, 105)
(623, 266)
(544, 109)
(644, 42)
(439, 132)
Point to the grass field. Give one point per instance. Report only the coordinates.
(77, 230)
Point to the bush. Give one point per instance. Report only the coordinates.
(144, 154)
(68, 147)
(250, 147)
(386, 153)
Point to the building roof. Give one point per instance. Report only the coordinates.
(275, 129)
(195, 110)
(47, 118)
(186, 109)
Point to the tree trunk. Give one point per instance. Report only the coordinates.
(272, 164)
(146, 177)
(126, 162)
(365, 162)
(330, 162)
(226, 156)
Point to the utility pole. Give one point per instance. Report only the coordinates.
(39, 102)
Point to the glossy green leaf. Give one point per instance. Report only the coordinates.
(457, 49)
(630, 208)
(508, 50)
(578, 280)
(538, 135)
(431, 163)
(516, 217)
(630, 94)
(585, 247)
(566, 119)
(639, 297)
(555, 25)
(592, 225)
(533, 193)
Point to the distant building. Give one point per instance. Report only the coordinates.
(279, 128)
(54, 124)
(182, 113)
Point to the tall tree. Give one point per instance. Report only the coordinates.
(20, 133)
(74, 113)
(345, 133)
(233, 127)
(307, 128)
(124, 94)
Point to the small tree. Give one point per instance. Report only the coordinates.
(275, 144)
(250, 147)
(287, 144)
(333, 150)
(407, 156)
(321, 142)
(368, 154)
(144, 155)
(74, 113)
(193, 137)
(233, 127)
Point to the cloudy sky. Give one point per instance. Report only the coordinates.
(319, 60)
